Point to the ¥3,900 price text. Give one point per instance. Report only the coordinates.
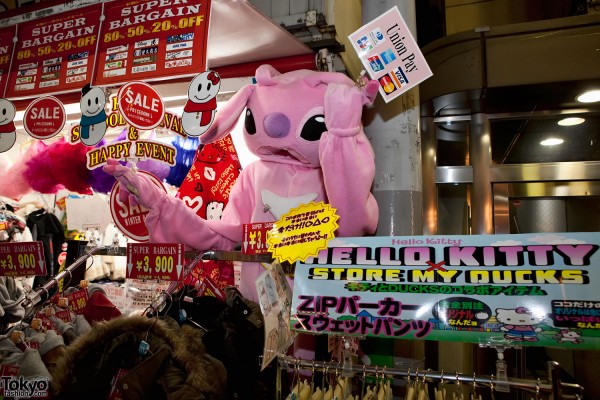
(162, 264)
(24, 261)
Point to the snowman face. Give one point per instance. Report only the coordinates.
(7, 111)
(204, 87)
(92, 102)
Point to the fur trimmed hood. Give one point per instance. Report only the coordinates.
(176, 362)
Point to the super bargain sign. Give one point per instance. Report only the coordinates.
(22, 259)
(162, 261)
(152, 39)
(55, 54)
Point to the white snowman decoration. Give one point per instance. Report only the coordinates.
(201, 107)
(93, 117)
(8, 132)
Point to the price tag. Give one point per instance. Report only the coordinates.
(22, 259)
(64, 315)
(77, 300)
(255, 238)
(161, 261)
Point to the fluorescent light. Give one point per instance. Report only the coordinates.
(571, 121)
(590, 96)
(551, 142)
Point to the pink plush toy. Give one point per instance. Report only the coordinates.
(305, 127)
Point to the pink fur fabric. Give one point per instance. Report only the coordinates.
(14, 182)
(68, 165)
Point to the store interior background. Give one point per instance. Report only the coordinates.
(505, 72)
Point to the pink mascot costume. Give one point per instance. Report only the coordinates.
(305, 127)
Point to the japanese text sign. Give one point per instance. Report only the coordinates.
(533, 289)
(152, 39)
(22, 259)
(161, 261)
(55, 54)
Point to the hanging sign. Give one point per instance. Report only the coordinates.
(302, 232)
(7, 43)
(390, 54)
(255, 238)
(129, 218)
(44, 118)
(152, 40)
(22, 259)
(141, 105)
(55, 54)
(162, 261)
(531, 289)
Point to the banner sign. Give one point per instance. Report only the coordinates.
(537, 289)
(22, 259)
(162, 261)
(6, 49)
(55, 54)
(390, 54)
(151, 40)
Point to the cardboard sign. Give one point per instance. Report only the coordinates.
(129, 218)
(44, 118)
(539, 289)
(390, 54)
(22, 259)
(55, 54)
(302, 232)
(161, 261)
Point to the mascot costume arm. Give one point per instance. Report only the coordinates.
(342, 161)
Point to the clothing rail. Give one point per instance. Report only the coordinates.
(554, 385)
(36, 296)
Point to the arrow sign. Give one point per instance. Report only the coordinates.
(155, 261)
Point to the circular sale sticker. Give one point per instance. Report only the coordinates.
(44, 118)
(141, 105)
(129, 218)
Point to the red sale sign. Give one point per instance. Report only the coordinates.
(44, 118)
(129, 218)
(55, 54)
(76, 301)
(22, 259)
(140, 105)
(152, 40)
(162, 261)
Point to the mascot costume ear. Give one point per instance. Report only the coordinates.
(227, 116)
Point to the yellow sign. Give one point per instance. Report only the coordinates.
(302, 232)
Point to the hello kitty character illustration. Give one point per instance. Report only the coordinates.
(8, 131)
(568, 336)
(93, 116)
(519, 324)
(201, 107)
(214, 210)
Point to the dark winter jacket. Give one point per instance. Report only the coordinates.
(175, 366)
